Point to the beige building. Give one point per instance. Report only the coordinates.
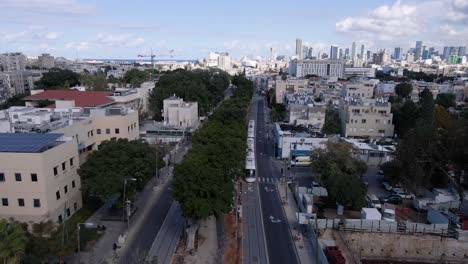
(38, 177)
(359, 89)
(179, 113)
(290, 86)
(45, 61)
(366, 118)
(307, 115)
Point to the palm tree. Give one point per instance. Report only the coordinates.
(12, 242)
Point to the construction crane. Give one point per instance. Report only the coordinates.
(152, 56)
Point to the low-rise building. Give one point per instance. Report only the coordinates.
(46, 61)
(307, 115)
(366, 118)
(178, 113)
(292, 142)
(322, 68)
(38, 177)
(359, 88)
(359, 72)
(289, 86)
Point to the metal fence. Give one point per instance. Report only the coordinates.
(322, 259)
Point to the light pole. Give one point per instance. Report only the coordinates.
(124, 197)
(78, 225)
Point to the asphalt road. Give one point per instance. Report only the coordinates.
(277, 233)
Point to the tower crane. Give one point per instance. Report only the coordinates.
(152, 56)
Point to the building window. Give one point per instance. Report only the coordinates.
(75, 206)
(20, 202)
(18, 176)
(107, 131)
(377, 121)
(363, 121)
(117, 131)
(71, 162)
(5, 201)
(57, 195)
(64, 165)
(60, 218)
(2, 177)
(73, 184)
(55, 170)
(382, 131)
(68, 212)
(98, 131)
(37, 203)
(33, 177)
(65, 189)
(128, 128)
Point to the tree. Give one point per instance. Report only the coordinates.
(12, 241)
(446, 100)
(97, 82)
(332, 123)
(404, 117)
(340, 172)
(15, 100)
(135, 77)
(57, 78)
(104, 171)
(403, 89)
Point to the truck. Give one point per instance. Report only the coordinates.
(388, 212)
(370, 214)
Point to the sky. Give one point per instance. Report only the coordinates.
(121, 29)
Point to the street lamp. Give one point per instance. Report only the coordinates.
(124, 198)
(78, 225)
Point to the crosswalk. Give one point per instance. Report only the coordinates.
(268, 179)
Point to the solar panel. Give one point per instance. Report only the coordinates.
(27, 142)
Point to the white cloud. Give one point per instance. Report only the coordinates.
(32, 34)
(52, 35)
(65, 7)
(79, 46)
(403, 21)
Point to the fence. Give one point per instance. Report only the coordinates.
(381, 226)
(316, 245)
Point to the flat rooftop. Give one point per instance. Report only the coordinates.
(28, 142)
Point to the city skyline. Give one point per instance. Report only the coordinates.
(87, 29)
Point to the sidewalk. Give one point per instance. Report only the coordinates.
(207, 243)
(103, 251)
(302, 243)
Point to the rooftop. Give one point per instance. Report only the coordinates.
(82, 99)
(28, 142)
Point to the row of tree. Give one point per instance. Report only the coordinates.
(432, 140)
(206, 87)
(204, 181)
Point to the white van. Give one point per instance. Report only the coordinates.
(301, 161)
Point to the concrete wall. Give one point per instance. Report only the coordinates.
(421, 247)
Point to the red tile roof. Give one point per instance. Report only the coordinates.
(82, 99)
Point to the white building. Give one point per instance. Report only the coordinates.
(45, 61)
(359, 72)
(321, 68)
(307, 115)
(179, 113)
(292, 144)
(359, 89)
(15, 61)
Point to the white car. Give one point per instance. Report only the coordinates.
(404, 195)
(387, 186)
(373, 201)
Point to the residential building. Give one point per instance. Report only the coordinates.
(371, 153)
(359, 89)
(178, 113)
(38, 177)
(15, 61)
(321, 68)
(290, 143)
(224, 61)
(366, 118)
(45, 61)
(299, 48)
(307, 115)
(289, 86)
(17, 82)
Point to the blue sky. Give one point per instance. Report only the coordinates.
(123, 29)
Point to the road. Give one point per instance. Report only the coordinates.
(278, 236)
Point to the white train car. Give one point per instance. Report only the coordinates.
(250, 164)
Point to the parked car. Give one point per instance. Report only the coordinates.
(373, 201)
(403, 194)
(393, 199)
(387, 186)
(380, 172)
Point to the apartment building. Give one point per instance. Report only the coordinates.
(307, 115)
(38, 177)
(366, 118)
(359, 89)
(45, 61)
(321, 68)
(178, 113)
(289, 86)
(15, 61)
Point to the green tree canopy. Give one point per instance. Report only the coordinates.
(446, 100)
(135, 77)
(97, 82)
(403, 89)
(12, 241)
(332, 123)
(57, 78)
(104, 171)
(340, 172)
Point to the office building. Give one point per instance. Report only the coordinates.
(353, 51)
(10, 62)
(310, 53)
(45, 61)
(359, 72)
(397, 53)
(461, 51)
(346, 54)
(38, 177)
(334, 52)
(418, 50)
(178, 113)
(299, 49)
(363, 56)
(368, 56)
(340, 54)
(366, 118)
(321, 68)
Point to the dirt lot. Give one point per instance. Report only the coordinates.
(233, 250)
